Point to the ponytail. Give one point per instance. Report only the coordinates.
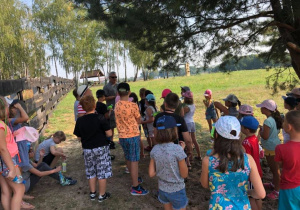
(278, 119)
(239, 102)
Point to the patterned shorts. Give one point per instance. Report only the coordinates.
(97, 163)
(131, 148)
(3, 166)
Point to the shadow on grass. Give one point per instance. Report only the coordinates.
(203, 138)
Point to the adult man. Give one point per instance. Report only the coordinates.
(110, 90)
(82, 90)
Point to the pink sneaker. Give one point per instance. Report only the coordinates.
(269, 186)
(273, 195)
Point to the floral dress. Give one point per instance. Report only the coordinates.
(229, 189)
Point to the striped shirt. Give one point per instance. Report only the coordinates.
(80, 110)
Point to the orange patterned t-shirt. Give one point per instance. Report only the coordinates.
(127, 113)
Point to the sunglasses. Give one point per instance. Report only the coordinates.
(114, 77)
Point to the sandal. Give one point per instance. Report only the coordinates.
(25, 205)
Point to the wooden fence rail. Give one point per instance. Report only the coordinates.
(40, 96)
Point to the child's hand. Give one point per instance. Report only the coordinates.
(12, 174)
(17, 106)
(57, 169)
(42, 152)
(182, 144)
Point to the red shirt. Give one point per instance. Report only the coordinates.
(289, 155)
(251, 146)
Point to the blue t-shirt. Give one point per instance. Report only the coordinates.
(12, 125)
(166, 157)
(76, 109)
(273, 139)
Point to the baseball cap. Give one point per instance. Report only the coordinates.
(268, 104)
(100, 93)
(165, 92)
(150, 97)
(185, 88)
(165, 122)
(225, 125)
(188, 94)
(246, 109)
(295, 92)
(291, 101)
(249, 122)
(123, 87)
(81, 90)
(231, 98)
(208, 92)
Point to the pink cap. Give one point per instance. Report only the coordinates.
(246, 109)
(165, 92)
(208, 92)
(26, 133)
(188, 94)
(268, 104)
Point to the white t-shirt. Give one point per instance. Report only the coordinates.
(189, 116)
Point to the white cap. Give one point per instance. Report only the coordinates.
(81, 90)
(225, 125)
(8, 100)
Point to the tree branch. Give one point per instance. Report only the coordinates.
(293, 47)
(284, 25)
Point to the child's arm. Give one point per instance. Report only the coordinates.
(6, 156)
(54, 152)
(259, 191)
(44, 173)
(206, 103)
(149, 112)
(264, 132)
(108, 133)
(204, 173)
(183, 169)
(23, 115)
(186, 109)
(42, 154)
(221, 107)
(151, 170)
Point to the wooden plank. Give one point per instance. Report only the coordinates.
(8, 87)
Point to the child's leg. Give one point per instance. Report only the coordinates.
(209, 124)
(102, 186)
(193, 136)
(92, 184)
(275, 171)
(56, 158)
(134, 172)
(153, 142)
(142, 148)
(168, 206)
(5, 194)
(253, 204)
(18, 192)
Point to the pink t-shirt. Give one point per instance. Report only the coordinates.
(11, 145)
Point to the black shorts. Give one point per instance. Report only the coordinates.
(48, 158)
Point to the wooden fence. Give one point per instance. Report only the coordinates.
(40, 96)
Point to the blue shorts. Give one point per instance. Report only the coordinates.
(131, 148)
(177, 199)
(210, 113)
(289, 199)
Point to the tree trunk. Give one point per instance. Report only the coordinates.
(124, 58)
(136, 74)
(167, 74)
(55, 66)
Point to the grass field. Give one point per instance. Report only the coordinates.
(248, 86)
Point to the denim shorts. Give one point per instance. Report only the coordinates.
(191, 127)
(131, 148)
(210, 113)
(3, 166)
(177, 199)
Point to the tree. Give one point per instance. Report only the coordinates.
(218, 28)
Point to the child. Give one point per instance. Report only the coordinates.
(52, 154)
(249, 126)
(179, 109)
(75, 94)
(168, 163)
(290, 103)
(11, 192)
(245, 110)
(93, 131)
(128, 119)
(231, 102)
(100, 106)
(288, 156)
(189, 111)
(269, 140)
(211, 112)
(227, 170)
(170, 104)
(149, 119)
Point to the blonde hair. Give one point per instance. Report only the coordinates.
(3, 105)
(60, 135)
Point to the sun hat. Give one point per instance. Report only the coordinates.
(81, 90)
(268, 104)
(225, 125)
(246, 109)
(208, 92)
(295, 93)
(188, 94)
(165, 122)
(8, 100)
(185, 88)
(291, 101)
(26, 133)
(249, 122)
(123, 87)
(165, 92)
(150, 97)
(231, 98)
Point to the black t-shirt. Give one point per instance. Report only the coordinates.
(142, 107)
(91, 128)
(101, 108)
(179, 120)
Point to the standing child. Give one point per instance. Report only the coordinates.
(290, 103)
(245, 110)
(92, 131)
(211, 112)
(128, 118)
(189, 111)
(75, 94)
(227, 170)
(288, 156)
(149, 118)
(231, 102)
(168, 163)
(11, 192)
(101, 108)
(250, 143)
(269, 140)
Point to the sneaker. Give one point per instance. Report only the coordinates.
(273, 195)
(139, 190)
(93, 196)
(140, 180)
(68, 182)
(112, 157)
(268, 186)
(102, 198)
(126, 171)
